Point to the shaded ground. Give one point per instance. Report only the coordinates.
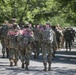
(65, 57)
(63, 64)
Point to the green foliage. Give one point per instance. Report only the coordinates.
(61, 12)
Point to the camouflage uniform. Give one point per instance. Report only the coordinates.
(13, 46)
(24, 43)
(4, 31)
(25, 56)
(3, 46)
(49, 39)
(68, 38)
(37, 42)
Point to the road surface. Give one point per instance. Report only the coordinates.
(63, 64)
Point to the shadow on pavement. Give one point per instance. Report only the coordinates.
(65, 57)
(61, 57)
(38, 71)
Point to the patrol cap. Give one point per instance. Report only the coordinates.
(26, 23)
(15, 25)
(48, 23)
(14, 19)
(26, 26)
(68, 29)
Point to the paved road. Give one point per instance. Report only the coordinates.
(63, 64)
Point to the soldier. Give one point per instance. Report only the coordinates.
(30, 26)
(68, 38)
(58, 36)
(24, 42)
(13, 46)
(37, 43)
(15, 25)
(4, 30)
(73, 34)
(21, 25)
(48, 40)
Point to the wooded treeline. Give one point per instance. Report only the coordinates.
(61, 12)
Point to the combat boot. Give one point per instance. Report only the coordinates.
(45, 66)
(22, 65)
(27, 64)
(49, 66)
(3, 55)
(35, 56)
(26, 67)
(11, 63)
(15, 63)
(7, 52)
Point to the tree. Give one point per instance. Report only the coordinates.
(39, 11)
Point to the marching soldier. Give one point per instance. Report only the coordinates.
(4, 30)
(24, 42)
(48, 40)
(12, 43)
(68, 38)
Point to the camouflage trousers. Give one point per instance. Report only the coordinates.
(25, 58)
(13, 55)
(47, 53)
(3, 45)
(68, 44)
(25, 55)
(36, 47)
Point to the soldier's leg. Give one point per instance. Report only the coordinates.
(58, 44)
(73, 38)
(44, 53)
(3, 51)
(37, 49)
(62, 43)
(3, 47)
(70, 45)
(11, 54)
(53, 51)
(16, 58)
(49, 62)
(27, 59)
(22, 58)
(49, 58)
(45, 66)
(7, 52)
(66, 45)
(35, 53)
(34, 46)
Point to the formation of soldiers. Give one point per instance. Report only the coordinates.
(19, 41)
